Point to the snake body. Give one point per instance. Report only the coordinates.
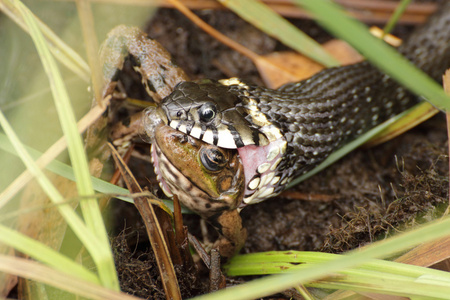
(283, 133)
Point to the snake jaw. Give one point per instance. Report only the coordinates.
(263, 177)
(185, 109)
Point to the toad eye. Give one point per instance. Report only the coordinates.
(212, 158)
(207, 112)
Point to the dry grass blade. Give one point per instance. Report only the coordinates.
(364, 10)
(446, 84)
(36, 271)
(204, 256)
(263, 63)
(213, 32)
(427, 254)
(91, 42)
(421, 112)
(60, 49)
(50, 154)
(292, 66)
(178, 221)
(154, 231)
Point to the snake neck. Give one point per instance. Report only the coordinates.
(281, 134)
(311, 119)
(321, 114)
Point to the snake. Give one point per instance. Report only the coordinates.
(265, 137)
(282, 133)
(285, 132)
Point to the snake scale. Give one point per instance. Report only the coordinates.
(280, 134)
(220, 145)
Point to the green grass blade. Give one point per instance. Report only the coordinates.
(379, 277)
(293, 259)
(66, 55)
(349, 147)
(384, 277)
(264, 18)
(73, 220)
(44, 254)
(396, 16)
(91, 212)
(68, 121)
(275, 283)
(382, 283)
(381, 55)
(66, 171)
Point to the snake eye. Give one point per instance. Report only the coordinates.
(207, 112)
(212, 158)
(181, 114)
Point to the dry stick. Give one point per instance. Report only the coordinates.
(182, 240)
(216, 278)
(200, 250)
(367, 10)
(126, 158)
(223, 38)
(154, 231)
(363, 10)
(178, 220)
(446, 84)
(213, 32)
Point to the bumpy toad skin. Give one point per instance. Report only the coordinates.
(294, 128)
(206, 179)
(278, 134)
(214, 195)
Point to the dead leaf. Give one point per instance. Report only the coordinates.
(279, 68)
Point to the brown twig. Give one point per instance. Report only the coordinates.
(364, 10)
(446, 84)
(155, 231)
(216, 278)
(295, 195)
(213, 32)
(126, 158)
(182, 237)
(200, 251)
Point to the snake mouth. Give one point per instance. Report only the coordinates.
(260, 163)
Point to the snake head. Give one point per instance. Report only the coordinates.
(211, 112)
(225, 114)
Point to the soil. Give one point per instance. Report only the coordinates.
(366, 196)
